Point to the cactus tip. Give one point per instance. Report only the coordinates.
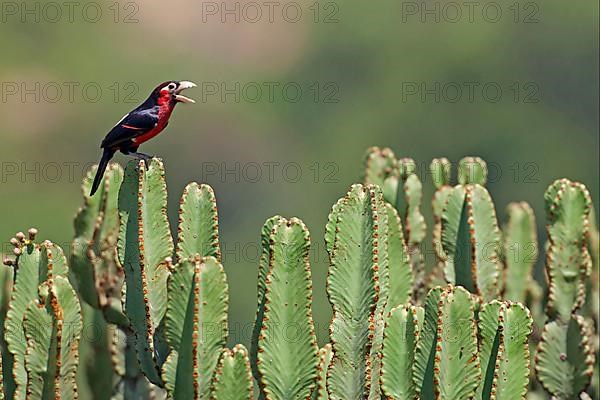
(17, 251)
(8, 262)
(32, 233)
(20, 236)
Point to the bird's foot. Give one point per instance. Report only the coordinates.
(144, 157)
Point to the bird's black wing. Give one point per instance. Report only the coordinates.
(134, 124)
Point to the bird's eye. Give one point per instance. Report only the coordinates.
(171, 86)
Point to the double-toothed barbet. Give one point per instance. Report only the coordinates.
(142, 124)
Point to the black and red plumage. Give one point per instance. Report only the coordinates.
(142, 124)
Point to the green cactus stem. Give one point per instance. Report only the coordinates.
(504, 330)
(520, 251)
(195, 326)
(565, 359)
(52, 328)
(233, 380)
(34, 265)
(400, 340)
(456, 357)
(565, 355)
(198, 229)
(287, 345)
(144, 244)
(472, 171)
(441, 172)
(407, 200)
(446, 350)
(379, 165)
(400, 269)
(568, 260)
(325, 358)
(471, 240)
(357, 289)
(94, 266)
(263, 270)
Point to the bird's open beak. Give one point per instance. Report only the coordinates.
(184, 85)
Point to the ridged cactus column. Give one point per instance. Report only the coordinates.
(287, 347)
(196, 315)
(357, 287)
(233, 380)
(402, 188)
(52, 328)
(504, 330)
(471, 240)
(565, 356)
(448, 351)
(520, 251)
(97, 274)
(325, 358)
(43, 322)
(401, 334)
(177, 312)
(400, 269)
(195, 326)
(144, 244)
(441, 173)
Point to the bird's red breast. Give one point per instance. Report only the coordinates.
(166, 107)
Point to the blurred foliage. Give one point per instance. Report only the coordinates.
(370, 54)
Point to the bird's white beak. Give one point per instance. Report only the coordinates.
(182, 86)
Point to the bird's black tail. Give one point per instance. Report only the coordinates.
(106, 156)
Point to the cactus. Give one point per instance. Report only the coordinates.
(441, 172)
(144, 243)
(568, 261)
(401, 188)
(520, 251)
(356, 287)
(426, 353)
(196, 315)
(400, 269)
(94, 267)
(325, 358)
(263, 270)
(565, 357)
(287, 365)
(195, 326)
(177, 312)
(52, 328)
(471, 240)
(233, 380)
(162, 330)
(472, 171)
(35, 264)
(399, 344)
(504, 330)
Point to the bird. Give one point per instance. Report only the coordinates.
(143, 123)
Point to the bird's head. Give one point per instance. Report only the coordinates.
(171, 91)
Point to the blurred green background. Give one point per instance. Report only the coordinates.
(345, 76)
